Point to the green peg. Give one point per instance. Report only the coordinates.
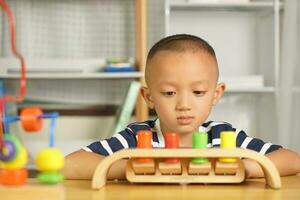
(200, 140)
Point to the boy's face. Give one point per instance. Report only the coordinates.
(182, 88)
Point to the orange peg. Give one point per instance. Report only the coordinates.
(144, 141)
(171, 142)
(31, 119)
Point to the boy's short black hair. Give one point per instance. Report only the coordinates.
(181, 43)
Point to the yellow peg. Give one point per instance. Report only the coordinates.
(228, 141)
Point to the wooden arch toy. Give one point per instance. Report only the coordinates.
(271, 174)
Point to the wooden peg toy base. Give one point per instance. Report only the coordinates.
(215, 175)
(226, 168)
(168, 175)
(201, 169)
(169, 168)
(143, 168)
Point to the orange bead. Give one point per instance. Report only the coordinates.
(13, 177)
(144, 141)
(31, 119)
(171, 142)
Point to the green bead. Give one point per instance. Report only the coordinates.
(50, 177)
(200, 140)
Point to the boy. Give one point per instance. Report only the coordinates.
(181, 76)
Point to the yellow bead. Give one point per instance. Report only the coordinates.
(228, 141)
(19, 161)
(49, 159)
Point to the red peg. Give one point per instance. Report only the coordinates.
(171, 142)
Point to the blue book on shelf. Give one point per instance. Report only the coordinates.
(119, 69)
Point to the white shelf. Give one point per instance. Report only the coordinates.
(251, 90)
(248, 6)
(47, 68)
(95, 75)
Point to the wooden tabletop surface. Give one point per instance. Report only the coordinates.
(75, 190)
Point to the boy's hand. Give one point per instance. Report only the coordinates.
(286, 161)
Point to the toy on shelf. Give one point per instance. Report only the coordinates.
(187, 165)
(119, 65)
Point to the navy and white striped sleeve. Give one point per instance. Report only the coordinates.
(242, 139)
(246, 142)
(121, 140)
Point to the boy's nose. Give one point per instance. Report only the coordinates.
(183, 104)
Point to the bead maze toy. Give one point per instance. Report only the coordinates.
(13, 154)
(186, 165)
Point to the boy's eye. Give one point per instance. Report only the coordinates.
(168, 93)
(199, 93)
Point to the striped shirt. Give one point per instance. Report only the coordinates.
(127, 138)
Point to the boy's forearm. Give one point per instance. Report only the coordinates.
(286, 161)
(82, 164)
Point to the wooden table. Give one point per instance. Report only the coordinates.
(75, 190)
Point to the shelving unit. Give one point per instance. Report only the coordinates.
(223, 9)
(246, 38)
(46, 72)
(243, 6)
(99, 75)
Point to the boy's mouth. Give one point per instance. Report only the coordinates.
(184, 120)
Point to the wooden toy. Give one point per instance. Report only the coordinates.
(270, 172)
(192, 165)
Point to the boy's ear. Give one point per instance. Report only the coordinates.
(146, 95)
(219, 92)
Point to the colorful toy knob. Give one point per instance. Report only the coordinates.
(13, 177)
(144, 141)
(49, 159)
(19, 161)
(200, 140)
(8, 150)
(31, 119)
(171, 142)
(228, 141)
(50, 177)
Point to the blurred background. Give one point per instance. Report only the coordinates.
(68, 43)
